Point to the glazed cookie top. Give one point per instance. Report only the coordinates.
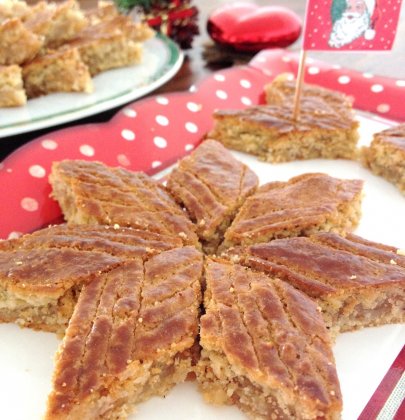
(272, 334)
(327, 263)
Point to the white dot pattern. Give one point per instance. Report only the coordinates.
(400, 83)
(162, 120)
(219, 78)
(313, 70)
(368, 75)
(128, 135)
(344, 80)
(191, 127)
(221, 94)
(14, 235)
(245, 84)
(29, 204)
(383, 108)
(193, 107)
(49, 144)
(160, 142)
(87, 150)
(162, 100)
(37, 171)
(245, 100)
(130, 113)
(377, 88)
(188, 147)
(156, 163)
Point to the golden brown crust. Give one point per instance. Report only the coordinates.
(110, 43)
(273, 339)
(326, 263)
(116, 241)
(357, 283)
(56, 23)
(386, 155)
(14, 9)
(113, 25)
(11, 86)
(394, 136)
(105, 10)
(301, 206)
(135, 297)
(282, 91)
(326, 127)
(50, 272)
(279, 118)
(39, 287)
(140, 314)
(211, 184)
(17, 44)
(92, 193)
(41, 274)
(57, 71)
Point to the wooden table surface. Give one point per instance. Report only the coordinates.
(195, 68)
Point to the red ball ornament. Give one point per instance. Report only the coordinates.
(248, 27)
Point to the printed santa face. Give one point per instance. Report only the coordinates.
(353, 22)
(351, 25)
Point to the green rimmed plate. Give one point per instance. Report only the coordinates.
(161, 61)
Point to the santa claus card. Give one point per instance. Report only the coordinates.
(351, 24)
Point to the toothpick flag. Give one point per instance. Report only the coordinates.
(351, 24)
(346, 25)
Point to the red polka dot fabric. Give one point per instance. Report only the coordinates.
(380, 95)
(151, 134)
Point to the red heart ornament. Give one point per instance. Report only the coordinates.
(248, 27)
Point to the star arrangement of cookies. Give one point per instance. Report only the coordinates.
(206, 275)
(210, 276)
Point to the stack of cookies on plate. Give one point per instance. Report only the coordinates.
(243, 286)
(57, 47)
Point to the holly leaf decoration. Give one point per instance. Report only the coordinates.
(175, 18)
(146, 5)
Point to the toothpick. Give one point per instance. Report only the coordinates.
(299, 84)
